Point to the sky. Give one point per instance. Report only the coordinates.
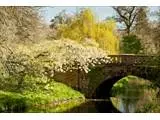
(101, 12)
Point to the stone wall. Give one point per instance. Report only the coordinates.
(69, 78)
(75, 79)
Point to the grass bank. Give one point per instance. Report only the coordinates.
(54, 95)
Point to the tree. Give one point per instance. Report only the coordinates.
(80, 27)
(127, 15)
(106, 36)
(156, 32)
(84, 26)
(48, 57)
(142, 22)
(19, 23)
(61, 18)
(131, 44)
(144, 31)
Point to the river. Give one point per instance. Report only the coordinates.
(113, 105)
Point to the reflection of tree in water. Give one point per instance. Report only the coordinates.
(133, 92)
(150, 102)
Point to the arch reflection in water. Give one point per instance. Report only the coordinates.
(133, 94)
(95, 106)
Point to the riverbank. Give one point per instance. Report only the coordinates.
(57, 106)
(56, 97)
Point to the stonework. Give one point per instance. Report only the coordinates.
(88, 83)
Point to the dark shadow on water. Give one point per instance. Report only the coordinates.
(102, 93)
(94, 107)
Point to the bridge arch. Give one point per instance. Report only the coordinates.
(103, 89)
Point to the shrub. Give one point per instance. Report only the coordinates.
(131, 44)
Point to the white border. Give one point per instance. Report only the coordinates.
(80, 2)
(80, 116)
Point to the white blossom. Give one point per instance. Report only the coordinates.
(62, 55)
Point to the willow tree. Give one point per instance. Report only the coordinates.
(84, 26)
(106, 36)
(80, 26)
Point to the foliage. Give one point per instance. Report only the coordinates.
(143, 29)
(138, 92)
(149, 108)
(48, 57)
(47, 89)
(12, 102)
(129, 82)
(150, 101)
(65, 106)
(19, 23)
(119, 87)
(142, 22)
(84, 26)
(80, 27)
(155, 32)
(131, 44)
(136, 21)
(106, 37)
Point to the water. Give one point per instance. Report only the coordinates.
(112, 105)
(115, 105)
(95, 106)
(135, 96)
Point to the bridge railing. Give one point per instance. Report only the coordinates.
(129, 59)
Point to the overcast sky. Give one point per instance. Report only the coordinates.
(101, 12)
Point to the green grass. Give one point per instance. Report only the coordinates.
(55, 92)
(12, 102)
(46, 94)
(53, 108)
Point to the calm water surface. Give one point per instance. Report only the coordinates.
(95, 106)
(112, 105)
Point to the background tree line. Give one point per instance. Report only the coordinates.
(21, 24)
(141, 34)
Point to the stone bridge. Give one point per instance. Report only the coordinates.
(99, 81)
